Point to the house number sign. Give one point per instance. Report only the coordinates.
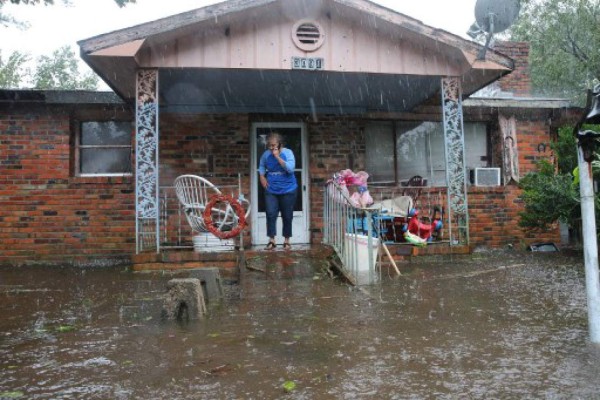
(310, 63)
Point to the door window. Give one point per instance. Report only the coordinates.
(292, 139)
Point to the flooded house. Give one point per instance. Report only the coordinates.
(87, 178)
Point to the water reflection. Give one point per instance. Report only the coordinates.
(480, 327)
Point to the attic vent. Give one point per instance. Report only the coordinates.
(307, 35)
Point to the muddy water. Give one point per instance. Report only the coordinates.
(487, 326)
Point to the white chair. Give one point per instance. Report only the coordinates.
(395, 207)
(194, 192)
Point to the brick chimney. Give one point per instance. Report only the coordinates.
(517, 82)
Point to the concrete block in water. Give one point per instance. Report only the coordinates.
(210, 279)
(184, 299)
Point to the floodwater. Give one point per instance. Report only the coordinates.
(498, 325)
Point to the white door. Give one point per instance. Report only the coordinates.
(294, 136)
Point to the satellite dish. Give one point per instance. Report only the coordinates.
(494, 16)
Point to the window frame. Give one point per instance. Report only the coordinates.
(394, 124)
(78, 147)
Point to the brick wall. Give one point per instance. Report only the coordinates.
(215, 146)
(494, 212)
(494, 217)
(534, 145)
(517, 82)
(336, 143)
(46, 214)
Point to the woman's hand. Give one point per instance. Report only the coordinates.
(276, 152)
(263, 181)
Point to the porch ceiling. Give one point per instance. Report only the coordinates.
(285, 91)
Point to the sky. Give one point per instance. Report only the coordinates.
(52, 27)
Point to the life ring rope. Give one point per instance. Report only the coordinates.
(216, 229)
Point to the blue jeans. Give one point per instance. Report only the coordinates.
(284, 203)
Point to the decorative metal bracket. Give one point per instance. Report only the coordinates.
(454, 141)
(146, 162)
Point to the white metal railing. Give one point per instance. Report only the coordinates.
(349, 230)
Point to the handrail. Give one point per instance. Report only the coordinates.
(349, 231)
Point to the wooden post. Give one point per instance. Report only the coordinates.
(385, 248)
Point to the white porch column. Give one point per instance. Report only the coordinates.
(147, 222)
(454, 141)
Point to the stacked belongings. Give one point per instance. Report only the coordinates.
(393, 216)
(356, 182)
(402, 222)
(419, 233)
(360, 198)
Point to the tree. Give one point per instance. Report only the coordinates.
(565, 149)
(548, 197)
(7, 20)
(61, 71)
(58, 71)
(13, 72)
(552, 194)
(564, 52)
(121, 3)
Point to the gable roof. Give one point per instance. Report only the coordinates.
(362, 38)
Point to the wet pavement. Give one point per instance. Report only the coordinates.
(491, 325)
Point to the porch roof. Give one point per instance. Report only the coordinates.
(236, 56)
(66, 97)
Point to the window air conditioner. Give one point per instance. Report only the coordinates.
(486, 177)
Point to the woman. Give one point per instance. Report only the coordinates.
(276, 169)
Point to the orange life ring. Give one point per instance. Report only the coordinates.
(237, 208)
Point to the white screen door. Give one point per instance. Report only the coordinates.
(294, 136)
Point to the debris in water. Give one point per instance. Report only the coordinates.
(288, 386)
(221, 369)
(11, 395)
(64, 328)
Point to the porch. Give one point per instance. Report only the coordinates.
(180, 249)
(235, 262)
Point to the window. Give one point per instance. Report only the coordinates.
(395, 152)
(104, 148)
(379, 142)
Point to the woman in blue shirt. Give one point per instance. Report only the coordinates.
(276, 169)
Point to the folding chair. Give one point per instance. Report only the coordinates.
(414, 187)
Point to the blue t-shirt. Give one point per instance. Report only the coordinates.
(281, 179)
